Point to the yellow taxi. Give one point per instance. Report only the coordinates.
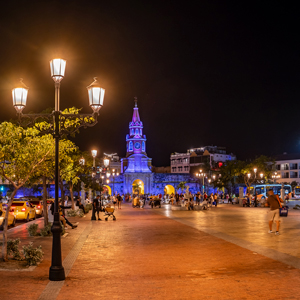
(11, 218)
(23, 210)
(38, 205)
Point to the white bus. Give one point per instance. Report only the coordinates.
(262, 190)
(297, 192)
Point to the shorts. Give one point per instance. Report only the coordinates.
(274, 215)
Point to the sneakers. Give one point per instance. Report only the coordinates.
(74, 226)
(276, 233)
(99, 219)
(66, 227)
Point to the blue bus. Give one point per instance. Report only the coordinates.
(262, 190)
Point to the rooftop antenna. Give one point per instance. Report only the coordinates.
(135, 100)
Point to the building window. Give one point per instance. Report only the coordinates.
(174, 169)
(293, 166)
(294, 175)
(186, 168)
(277, 167)
(179, 169)
(136, 131)
(130, 146)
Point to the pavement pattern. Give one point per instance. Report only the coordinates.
(164, 254)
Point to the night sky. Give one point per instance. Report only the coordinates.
(213, 73)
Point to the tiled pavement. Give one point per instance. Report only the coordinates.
(163, 254)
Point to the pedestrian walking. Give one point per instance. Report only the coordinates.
(216, 200)
(255, 200)
(274, 202)
(119, 200)
(198, 195)
(97, 206)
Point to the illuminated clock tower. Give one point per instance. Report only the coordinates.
(136, 165)
(136, 141)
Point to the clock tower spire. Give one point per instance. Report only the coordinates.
(135, 140)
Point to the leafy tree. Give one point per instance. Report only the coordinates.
(228, 175)
(22, 151)
(181, 186)
(294, 184)
(263, 164)
(68, 167)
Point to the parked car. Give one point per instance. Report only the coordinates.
(23, 210)
(38, 205)
(11, 218)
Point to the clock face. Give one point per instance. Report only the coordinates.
(137, 145)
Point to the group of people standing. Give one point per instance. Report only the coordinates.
(178, 199)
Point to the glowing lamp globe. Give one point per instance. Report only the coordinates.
(19, 96)
(82, 161)
(106, 162)
(57, 67)
(96, 95)
(94, 153)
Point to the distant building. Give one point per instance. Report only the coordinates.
(288, 167)
(161, 169)
(193, 158)
(114, 162)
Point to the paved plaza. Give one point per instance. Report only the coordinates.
(224, 253)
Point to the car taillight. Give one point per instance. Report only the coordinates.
(23, 209)
(38, 206)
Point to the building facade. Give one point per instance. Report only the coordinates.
(288, 167)
(185, 163)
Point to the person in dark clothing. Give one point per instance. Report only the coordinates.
(119, 199)
(80, 205)
(97, 206)
(177, 198)
(255, 200)
(62, 217)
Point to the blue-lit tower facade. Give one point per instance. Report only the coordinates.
(136, 166)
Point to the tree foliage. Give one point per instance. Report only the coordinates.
(22, 151)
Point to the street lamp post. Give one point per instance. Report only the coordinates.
(254, 192)
(94, 154)
(96, 97)
(113, 174)
(202, 174)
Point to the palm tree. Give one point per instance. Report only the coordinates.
(181, 186)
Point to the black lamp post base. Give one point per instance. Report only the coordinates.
(57, 273)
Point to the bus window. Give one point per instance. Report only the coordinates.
(287, 189)
(259, 190)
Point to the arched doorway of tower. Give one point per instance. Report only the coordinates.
(138, 187)
(106, 190)
(169, 189)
